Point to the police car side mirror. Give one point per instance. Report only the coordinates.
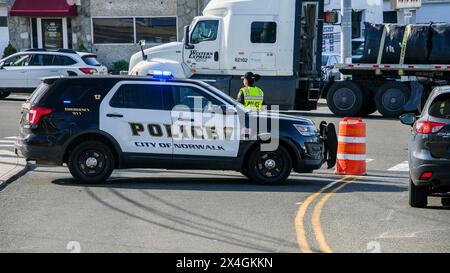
(408, 119)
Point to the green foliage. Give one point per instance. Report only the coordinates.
(121, 65)
(82, 48)
(9, 50)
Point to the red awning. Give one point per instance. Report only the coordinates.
(44, 8)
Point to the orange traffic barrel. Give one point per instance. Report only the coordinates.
(351, 157)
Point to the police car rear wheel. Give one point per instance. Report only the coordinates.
(91, 162)
(270, 168)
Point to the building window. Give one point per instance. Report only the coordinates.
(390, 17)
(129, 30)
(113, 30)
(3, 21)
(264, 33)
(156, 30)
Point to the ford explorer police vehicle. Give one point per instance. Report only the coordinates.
(98, 124)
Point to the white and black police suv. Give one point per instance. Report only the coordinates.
(101, 123)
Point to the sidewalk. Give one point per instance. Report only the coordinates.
(11, 167)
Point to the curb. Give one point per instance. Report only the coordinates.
(20, 169)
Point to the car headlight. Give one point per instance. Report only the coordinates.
(306, 130)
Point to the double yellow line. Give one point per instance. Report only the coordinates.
(317, 212)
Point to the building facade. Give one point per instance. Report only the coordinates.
(4, 32)
(109, 28)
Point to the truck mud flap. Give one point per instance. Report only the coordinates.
(330, 139)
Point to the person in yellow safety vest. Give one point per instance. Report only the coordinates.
(251, 96)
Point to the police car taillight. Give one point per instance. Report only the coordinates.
(35, 114)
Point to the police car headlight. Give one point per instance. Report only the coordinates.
(306, 130)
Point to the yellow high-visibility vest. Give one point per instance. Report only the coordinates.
(253, 98)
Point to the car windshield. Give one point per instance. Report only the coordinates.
(91, 60)
(359, 51)
(441, 107)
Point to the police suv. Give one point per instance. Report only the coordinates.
(98, 124)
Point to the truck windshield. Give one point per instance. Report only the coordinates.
(205, 31)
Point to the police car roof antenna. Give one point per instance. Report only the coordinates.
(142, 44)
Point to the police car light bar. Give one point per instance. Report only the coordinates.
(158, 74)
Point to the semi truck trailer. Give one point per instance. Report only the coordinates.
(391, 89)
(280, 40)
(400, 67)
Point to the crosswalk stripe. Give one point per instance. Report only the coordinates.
(402, 167)
(368, 160)
(12, 137)
(7, 142)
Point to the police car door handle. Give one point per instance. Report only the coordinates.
(114, 116)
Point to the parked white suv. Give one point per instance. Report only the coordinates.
(22, 72)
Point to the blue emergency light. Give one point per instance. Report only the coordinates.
(163, 75)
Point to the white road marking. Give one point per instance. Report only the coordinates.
(7, 142)
(368, 160)
(402, 167)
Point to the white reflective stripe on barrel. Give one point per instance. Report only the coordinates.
(351, 157)
(342, 139)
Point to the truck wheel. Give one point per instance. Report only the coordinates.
(269, 168)
(445, 201)
(345, 99)
(4, 94)
(91, 162)
(418, 196)
(391, 98)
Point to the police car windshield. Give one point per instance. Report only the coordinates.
(224, 96)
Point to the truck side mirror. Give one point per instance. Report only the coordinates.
(187, 44)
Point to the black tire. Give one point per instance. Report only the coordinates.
(418, 196)
(346, 99)
(391, 98)
(445, 201)
(369, 105)
(269, 168)
(103, 163)
(4, 94)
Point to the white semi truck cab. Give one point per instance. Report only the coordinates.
(280, 40)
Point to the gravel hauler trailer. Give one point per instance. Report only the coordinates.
(392, 88)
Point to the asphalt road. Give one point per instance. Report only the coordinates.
(203, 211)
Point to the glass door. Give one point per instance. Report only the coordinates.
(52, 33)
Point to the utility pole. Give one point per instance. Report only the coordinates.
(346, 31)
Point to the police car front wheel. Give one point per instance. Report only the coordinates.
(91, 162)
(270, 168)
